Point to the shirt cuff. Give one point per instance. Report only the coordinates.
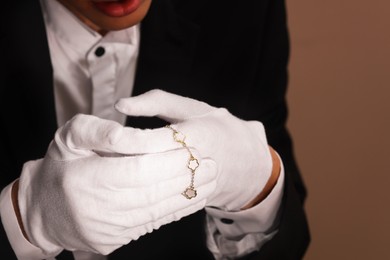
(233, 234)
(22, 247)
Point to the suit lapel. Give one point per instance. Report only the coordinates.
(168, 41)
(26, 81)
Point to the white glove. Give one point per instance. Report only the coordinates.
(78, 200)
(238, 147)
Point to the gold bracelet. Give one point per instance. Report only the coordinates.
(192, 163)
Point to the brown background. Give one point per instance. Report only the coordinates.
(339, 117)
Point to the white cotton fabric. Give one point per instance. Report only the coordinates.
(238, 147)
(252, 229)
(78, 200)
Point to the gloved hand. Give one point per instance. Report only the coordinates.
(77, 199)
(238, 147)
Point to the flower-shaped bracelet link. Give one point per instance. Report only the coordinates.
(192, 164)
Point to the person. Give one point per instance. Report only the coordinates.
(206, 186)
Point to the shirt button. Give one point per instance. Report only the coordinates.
(227, 221)
(99, 52)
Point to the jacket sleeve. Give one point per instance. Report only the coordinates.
(292, 238)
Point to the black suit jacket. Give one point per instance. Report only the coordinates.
(227, 53)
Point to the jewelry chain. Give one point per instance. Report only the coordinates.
(192, 164)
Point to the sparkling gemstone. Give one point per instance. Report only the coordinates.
(189, 193)
(193, 164)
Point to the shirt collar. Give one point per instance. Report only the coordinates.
(70, 29)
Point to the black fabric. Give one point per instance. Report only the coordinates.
(226, 53)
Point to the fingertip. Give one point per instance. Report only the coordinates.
(122, 105)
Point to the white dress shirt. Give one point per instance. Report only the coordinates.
(91, 73)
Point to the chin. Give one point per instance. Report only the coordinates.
(110, 23)
(116, 24)
(106, 18)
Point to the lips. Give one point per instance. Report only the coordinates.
(117, 8)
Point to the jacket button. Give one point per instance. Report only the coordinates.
(227, 221)
(99, 52)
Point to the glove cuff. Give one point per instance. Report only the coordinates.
(31, 214)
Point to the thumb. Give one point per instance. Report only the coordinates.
(82, 135)
(167, 106)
